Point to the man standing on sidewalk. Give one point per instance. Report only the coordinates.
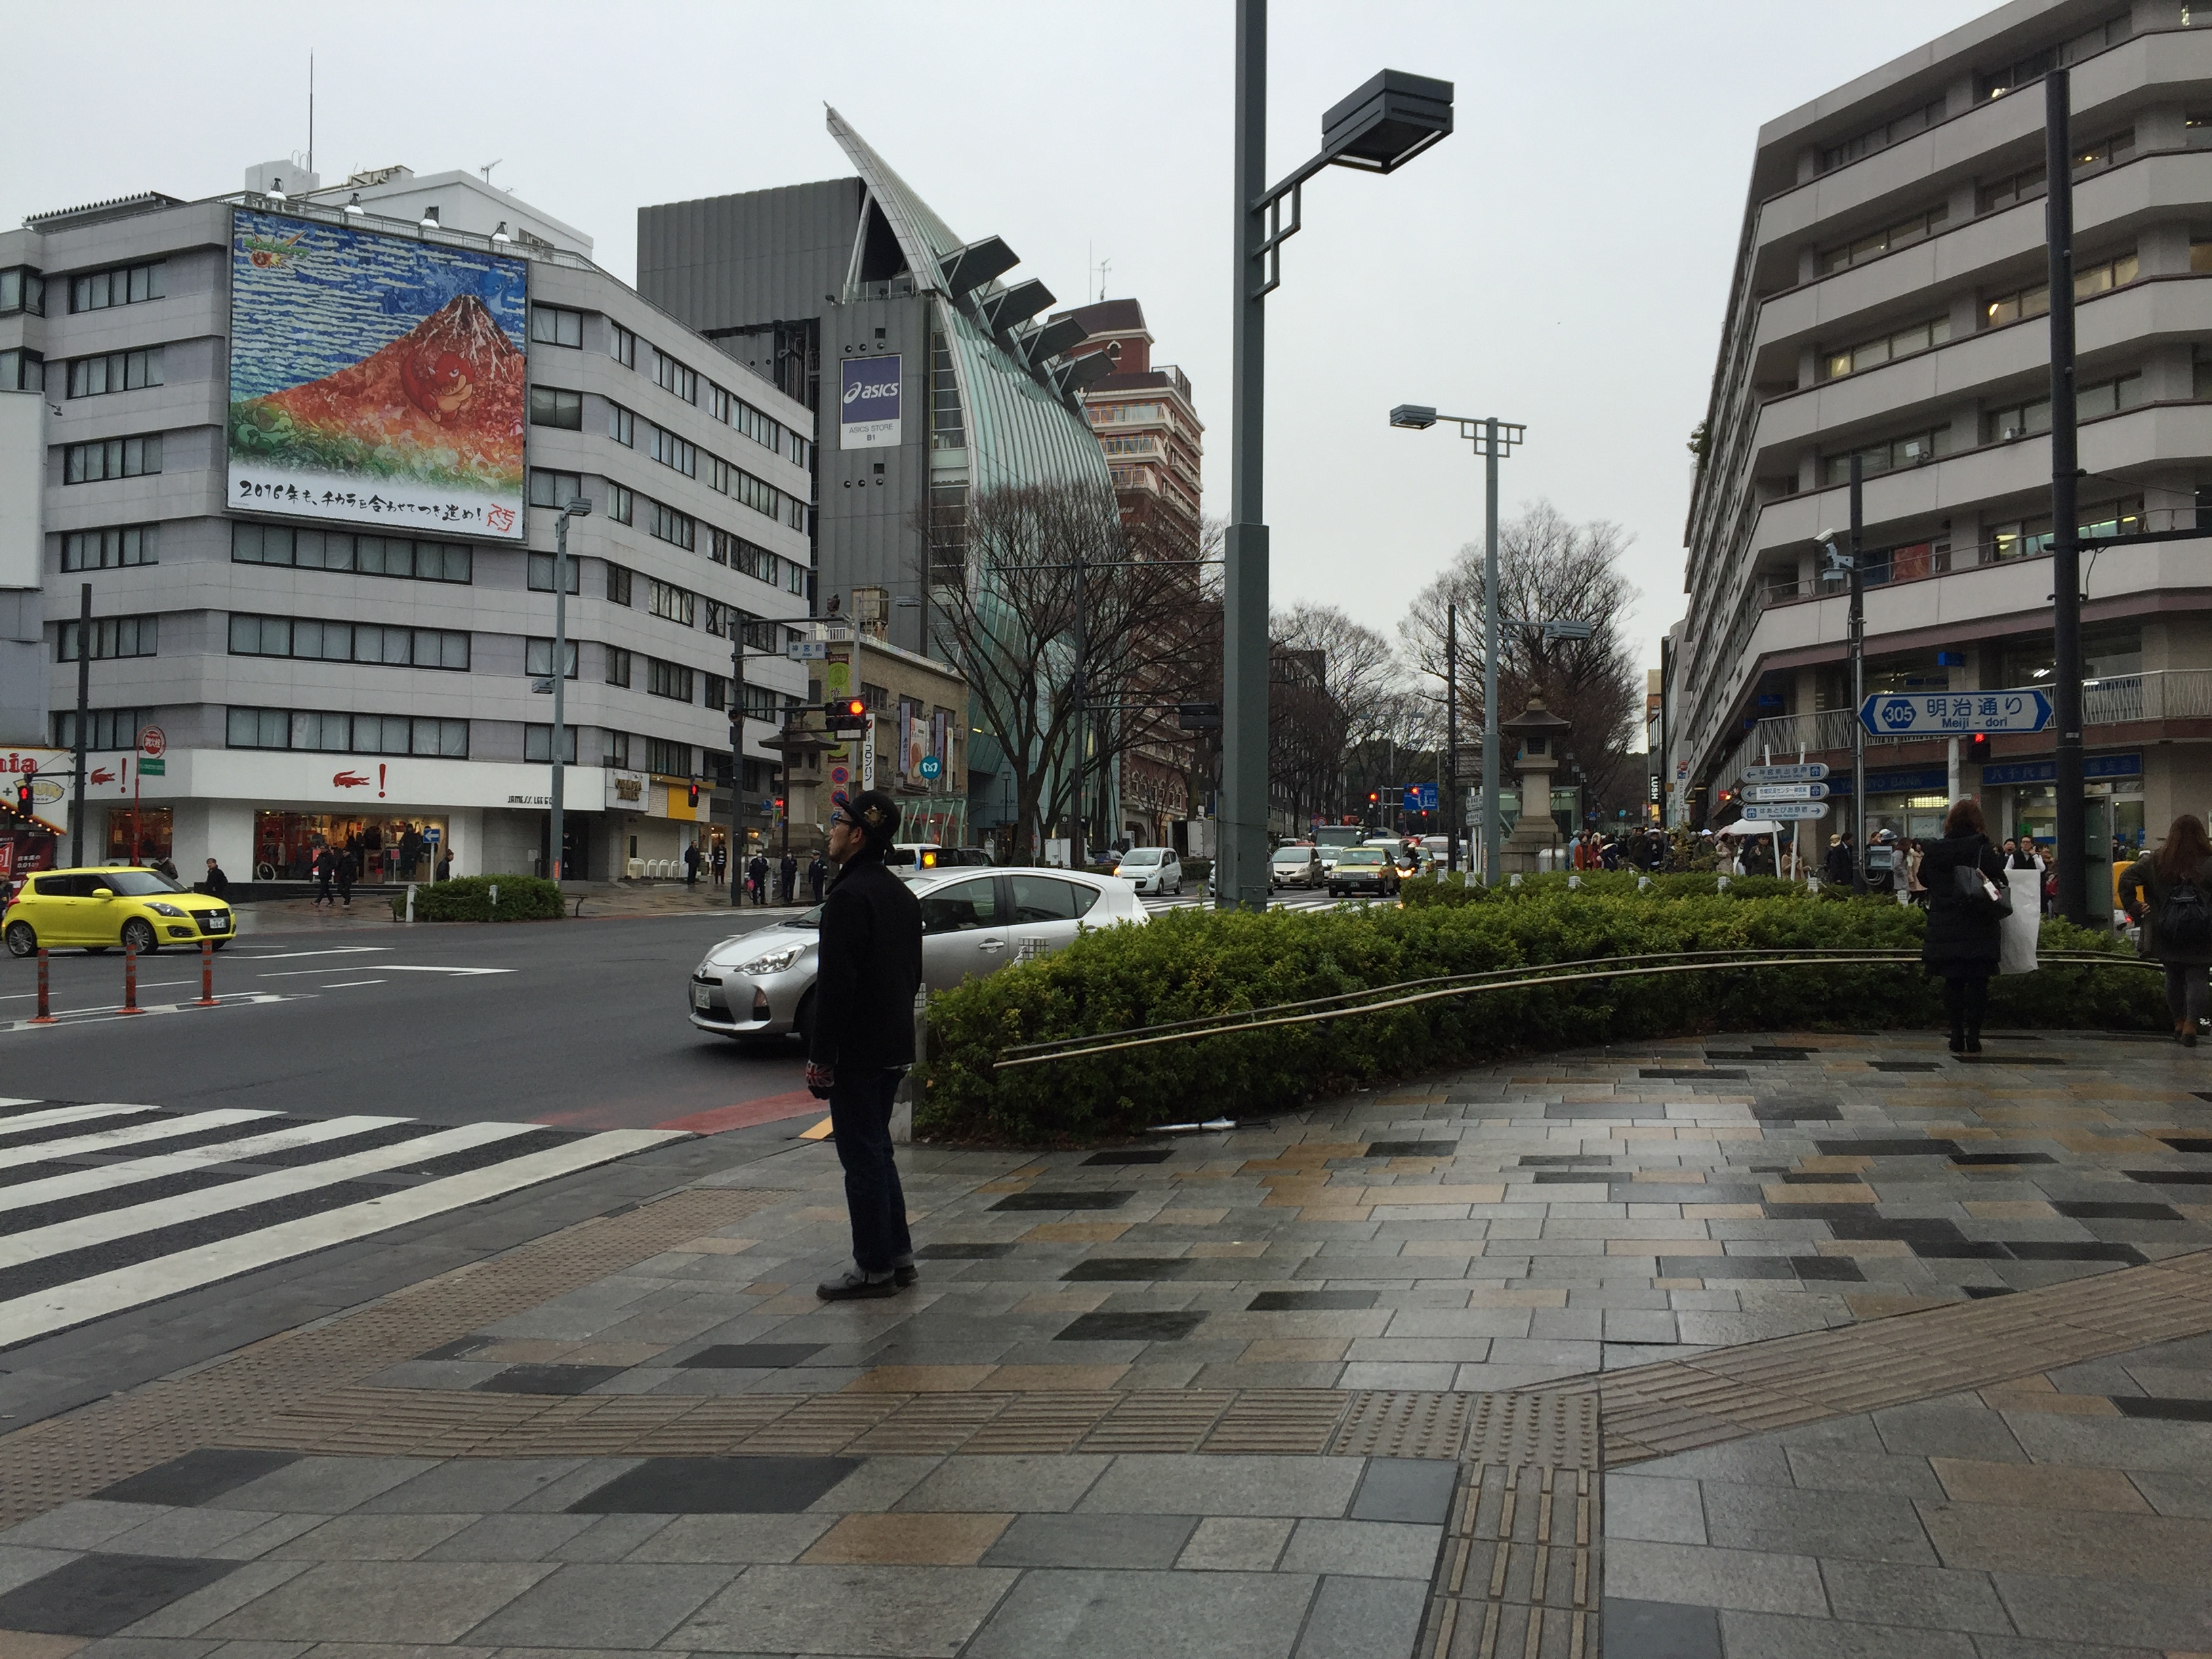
(863, 1037)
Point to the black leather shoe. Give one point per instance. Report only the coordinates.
(1974, 1042)
(854, 1286)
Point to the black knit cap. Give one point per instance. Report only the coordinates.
(877, 814)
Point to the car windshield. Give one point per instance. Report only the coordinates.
(141, 884)
(804, 918)
(1141, 856)
(1360, 856)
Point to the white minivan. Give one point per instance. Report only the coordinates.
(1151, 869)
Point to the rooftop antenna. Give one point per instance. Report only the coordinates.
(486, 169)
(1104, 265)
(311, 114)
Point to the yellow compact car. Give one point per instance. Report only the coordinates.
(99, 910)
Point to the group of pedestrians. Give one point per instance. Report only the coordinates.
(1647, 850)
(764, 883)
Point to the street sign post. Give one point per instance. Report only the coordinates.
(1788, 811)
(151, 741)
(1421, 798)
(1954, 714)
(1798, 772)
(1766, 792)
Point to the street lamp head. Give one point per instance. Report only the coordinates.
(1417, 417)
(1387, 122)
(578, 507)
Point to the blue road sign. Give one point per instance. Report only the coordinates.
(1421, 798)
(1954, 714)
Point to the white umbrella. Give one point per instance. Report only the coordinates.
(1758, 827)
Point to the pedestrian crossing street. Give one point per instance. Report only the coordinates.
(108, 1206)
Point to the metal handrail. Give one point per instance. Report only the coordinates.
(1147, 1036)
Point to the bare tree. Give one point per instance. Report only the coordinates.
(1549, 569)
(1330, 693)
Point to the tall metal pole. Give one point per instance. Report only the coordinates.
(1244, 643)
(559, 848)
(1077, 690)
(83, 721)
(737, 855)
(1451, 735)
(2072, 827)
(1491, 845)
(1859, 683)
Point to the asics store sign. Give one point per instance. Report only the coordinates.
(868, 401)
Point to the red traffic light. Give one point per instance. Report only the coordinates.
(1978, 748)
(778, 803)
(1373, 796)
(694, 792)
(24, 797)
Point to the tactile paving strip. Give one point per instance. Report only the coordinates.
(1519, 1571)
(67, 1456)
(1404, 1423)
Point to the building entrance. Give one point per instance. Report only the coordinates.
(385, 849)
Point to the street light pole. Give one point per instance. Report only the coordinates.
(2071, 828)
(1383, 125)
(575, 509)
(737, 855)
(1858, 680)
(1451, 736)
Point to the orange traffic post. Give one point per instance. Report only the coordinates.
(207, 972)
(45, 1014)
(131, 980)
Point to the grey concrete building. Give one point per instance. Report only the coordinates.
(1888, 301)
(236, 626)
(856, 285)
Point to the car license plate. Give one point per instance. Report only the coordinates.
(702, 997)
(218, 924)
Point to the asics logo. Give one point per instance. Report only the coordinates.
(854, 392)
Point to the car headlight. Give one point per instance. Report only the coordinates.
(774, 962)
(161, 909)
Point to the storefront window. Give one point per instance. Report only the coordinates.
(385, 849)
(140, 834)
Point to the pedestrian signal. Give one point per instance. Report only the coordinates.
(695, 792)
(24, 797)
(1978, 748)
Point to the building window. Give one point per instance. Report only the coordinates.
(117, 371)
(947, 427)
(340, 642)
(621, 426)
(745, 557)
(2105, 396)
(347, 734)
(337, 549)
(105, 728)
(1881, 136)
(671, 451)
(715, 691)
(552, 406)
(672, 376)
(761, 703)
(617, 585)
(127, 285)
(541, 573)
(22, 289)
(670, 525)
(668, 679)
(1904, 234)
(763, 429)
(1996, 83)
(618, 666)
(622, 345)
(2110, 152)
(116, 458)
(554, 489)
(794, 578)
(614, 749)
(22, 370)
(109, 550)
(622, 505)
(2088, 282)
(1913, 449)
(667, 757)
(538, 659)
(2010, 191)
(556, 325)
(1834, 365)
(538, 744)
(675, 604)
(112, 636)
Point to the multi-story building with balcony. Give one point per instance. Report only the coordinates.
(1888, 302)
(320, 680)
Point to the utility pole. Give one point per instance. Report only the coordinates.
(1490, 828)
(2071, 828)
(1858, 682)
(1451, 736)
(738, 758)
(558, 848)
(83, 721)
(1244, 590)
(1076, 690)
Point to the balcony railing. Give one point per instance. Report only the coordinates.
(2170, 694)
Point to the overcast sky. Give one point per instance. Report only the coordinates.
(1562, 260)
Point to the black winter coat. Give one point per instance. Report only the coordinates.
(2143, 890)
(1959, 944)
(871, 966)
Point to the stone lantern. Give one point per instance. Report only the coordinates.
(1538, 732)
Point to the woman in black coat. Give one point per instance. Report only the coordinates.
(2183, 859)
(1960, 947)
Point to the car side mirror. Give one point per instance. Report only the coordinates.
(104, 893)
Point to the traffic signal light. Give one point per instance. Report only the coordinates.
(1978, 748)
(846, 714)
(1373, 796)
(23, 796)
(695, 793)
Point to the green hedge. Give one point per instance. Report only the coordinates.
(1194, 962)
(468, 898)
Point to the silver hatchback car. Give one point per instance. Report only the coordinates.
(973, 921)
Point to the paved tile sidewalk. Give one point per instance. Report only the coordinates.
(1056, 1443)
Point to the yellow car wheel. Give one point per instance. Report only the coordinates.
(140, 934)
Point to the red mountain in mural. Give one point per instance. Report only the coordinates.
(450, 390)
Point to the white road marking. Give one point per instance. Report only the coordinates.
(168, 1128)
(334, 951)
(384, 968)
(348, 984)
(64, 1305)
(110, 1225)
(9, 1125)
(25, 1194)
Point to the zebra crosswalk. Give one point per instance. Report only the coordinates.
(107, 1205)
(1283, 898)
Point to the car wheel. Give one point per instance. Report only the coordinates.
(22, 941)
(140, 935)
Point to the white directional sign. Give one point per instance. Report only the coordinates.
(1953, 714)
(1785, 812)
(1796, 772)
(1766, 792)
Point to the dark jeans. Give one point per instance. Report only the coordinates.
(2186, 991)
(1963, 1000)
(860, 1124)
